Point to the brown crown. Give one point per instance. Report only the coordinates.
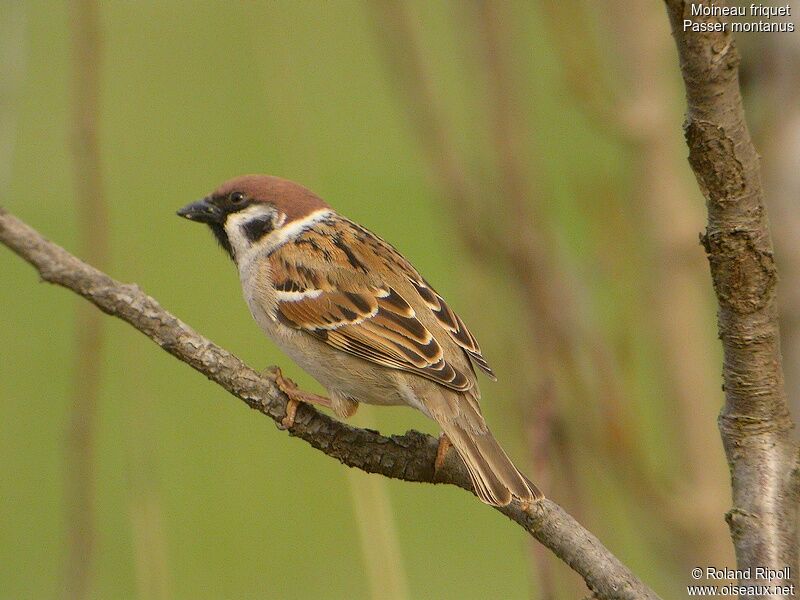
(289, 197)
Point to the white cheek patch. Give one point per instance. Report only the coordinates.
(244, 248)
(235, 223)
(237, 219)
(283, 234)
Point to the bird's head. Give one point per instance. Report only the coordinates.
(256, 211)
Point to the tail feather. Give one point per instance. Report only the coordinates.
(495, 478)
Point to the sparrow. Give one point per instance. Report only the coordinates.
(351, 311)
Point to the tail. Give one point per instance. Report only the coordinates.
(495, 478)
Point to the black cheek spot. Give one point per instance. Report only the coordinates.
(257, 228)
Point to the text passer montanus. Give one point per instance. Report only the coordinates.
(353, 313)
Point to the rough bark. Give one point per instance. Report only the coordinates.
(409, 457)
(754, 422)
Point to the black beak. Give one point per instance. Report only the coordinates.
(203, 211)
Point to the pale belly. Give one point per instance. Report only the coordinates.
(338, 372)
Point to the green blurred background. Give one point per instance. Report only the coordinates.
(195, 496)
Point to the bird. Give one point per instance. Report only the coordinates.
(352, 312)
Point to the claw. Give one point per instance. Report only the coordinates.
(291, 413)
(295, 396)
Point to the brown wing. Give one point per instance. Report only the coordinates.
(448, 319)
(453, 325)
(326, 286)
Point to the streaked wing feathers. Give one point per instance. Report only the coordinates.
(453, 325)
(353, 314)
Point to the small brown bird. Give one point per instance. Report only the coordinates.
(352, 312)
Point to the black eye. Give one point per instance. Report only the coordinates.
(236, 197)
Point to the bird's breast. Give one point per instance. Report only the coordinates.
(259, 292)
(339, 372)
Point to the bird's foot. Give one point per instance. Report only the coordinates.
(296, 396)
(441, 452)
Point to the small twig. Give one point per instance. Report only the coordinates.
(409, 457)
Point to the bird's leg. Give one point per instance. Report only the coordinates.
(296, 396)
(441, 451)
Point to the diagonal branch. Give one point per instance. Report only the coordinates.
(409, 457)
(755, 422)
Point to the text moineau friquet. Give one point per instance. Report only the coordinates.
(757, 18)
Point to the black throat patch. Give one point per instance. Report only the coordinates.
(222, 237)
(257, 227)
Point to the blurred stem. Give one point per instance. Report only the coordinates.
(774, 65)
(539, 419)
(12, 68)
(518, 224)
(147, 517)
(641, 120)
(575, 45)
(548, 286)
(372, 509)
(93, 243)
(397, 38)
(149, 546)
(678, 291)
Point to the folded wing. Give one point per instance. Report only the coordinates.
(337, 299)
